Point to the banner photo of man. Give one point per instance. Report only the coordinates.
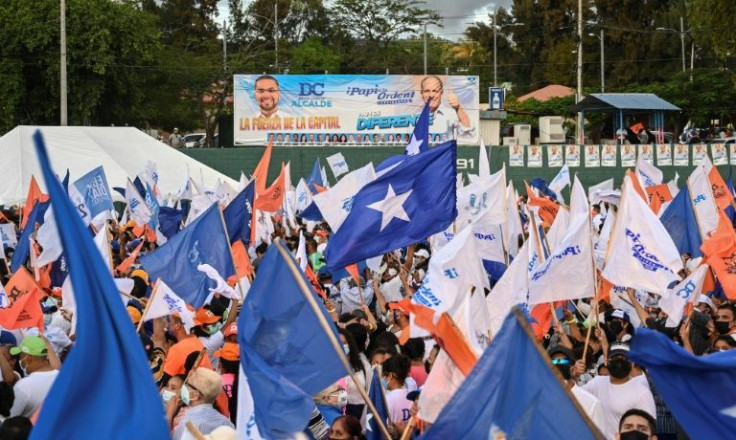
(664, 155)
(608, 157)
(592, 156)
(732, 151)
(700, 151)
(645, 151)
(628, 155)
(516, 156)
(682, 157)
(534, 156)
(358, 110)
(720, 156)
(572, 156)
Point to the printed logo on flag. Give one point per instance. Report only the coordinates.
(686, 290)
(648, 261)
(571, 250)
(424, 295)
(699, 198)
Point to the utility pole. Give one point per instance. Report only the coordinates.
(603, 63)
(579, 96)
(62, 84)
(276, 33)
(224, 45)
(682, 41)
(495, 47)
(425, 48)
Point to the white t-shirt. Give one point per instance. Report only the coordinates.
(617, 399)
(31, 391)
(399, 407)
(590, 404)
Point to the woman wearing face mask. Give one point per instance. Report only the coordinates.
(172, 388)
(395, 371)
(362, 372)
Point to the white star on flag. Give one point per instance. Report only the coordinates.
(391, 206)
(414, 145)
(730, 411)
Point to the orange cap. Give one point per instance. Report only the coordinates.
(205, 316)
(229, 352)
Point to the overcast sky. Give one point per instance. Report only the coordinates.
(456, 14)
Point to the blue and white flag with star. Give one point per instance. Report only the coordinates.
(419, 142)
(407, 204)
(699, 390)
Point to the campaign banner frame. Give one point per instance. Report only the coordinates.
(353, 110)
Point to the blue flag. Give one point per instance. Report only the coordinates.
(730, 212)
(373, 432)
(202, 242)
(285, 353)
(315, 177)
(679, 220)
(512, 389)
(405, 205)
(153, 206)
(239, 214)
(311, 212)
(419, 141)
(95, 192)
(65, 182)
(169, 220)
(541, 185)
(699, 390)
(23, 247)
(123, 401)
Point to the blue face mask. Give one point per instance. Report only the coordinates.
(384, 383)
(47, 319)
(184, 394)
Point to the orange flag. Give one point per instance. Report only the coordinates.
(354, 272)
(658, 196)
(272, 198)
(261, 171)
(243, 266)
(25, 312)
(637, 185)
(721, 193)
(320, 189)
(34, 195)
(125, 264)
(449, 337)
(20, 284)
(547, 208)
(720, 254)
(312, 277)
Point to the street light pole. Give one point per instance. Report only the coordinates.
(579, 96)
(224, 45)
(682, 41)
(425, 48)
(603, 63)
(62, 82)
(276, 33)
(495, 47)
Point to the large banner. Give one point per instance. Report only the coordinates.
(309, 110)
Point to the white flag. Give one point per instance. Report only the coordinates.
(301, 252)
(246, 420)
(200, 204)
(441, 384)
(704, 204)
(335, 204)
(673, 186)
(596, 191)
(510, 290)
(482, 195)
(674, 301)
(78, 200)
(641, 254)
(649, 174)
(484, 167)
(7, 233)
(453, 270)
(221, 286)
(480, 321)
(139, 211)
(103, 245)
(303, 196)
(224, 192)
(165, 302)
(561, 180)
(338, 165)
(601, 244)
(489, 239)
(568, 272)
(559, 228)
(515, 230)
(48, 238)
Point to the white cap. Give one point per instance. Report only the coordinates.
(422, 253)
(705, 299)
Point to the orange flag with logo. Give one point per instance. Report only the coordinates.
(243, 266)
(272, 198)
(720, 254)
(24, 312)
(658, 196)
(721, 193)
(261, 171)
(128, 262)
(637, 185)
(547, 208)
(20, 284)
(34, 195)
(354, 272)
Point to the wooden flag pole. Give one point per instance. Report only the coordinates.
(196, 433)
(408, 430)
(145, 310)
(298, 276)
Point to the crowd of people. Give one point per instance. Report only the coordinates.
(197, 369)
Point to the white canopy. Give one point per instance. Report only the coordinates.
(122, 151)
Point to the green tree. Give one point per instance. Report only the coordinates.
(313, 57)
(110, 47)
(712, 22)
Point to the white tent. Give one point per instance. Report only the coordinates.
(122, 151)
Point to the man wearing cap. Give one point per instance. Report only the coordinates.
(618, 323)
(40, 375)
(187, 343)
(198, 393)
(563, 358)
(620, 391)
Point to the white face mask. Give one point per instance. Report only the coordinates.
(346, 348)
(166, 395)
